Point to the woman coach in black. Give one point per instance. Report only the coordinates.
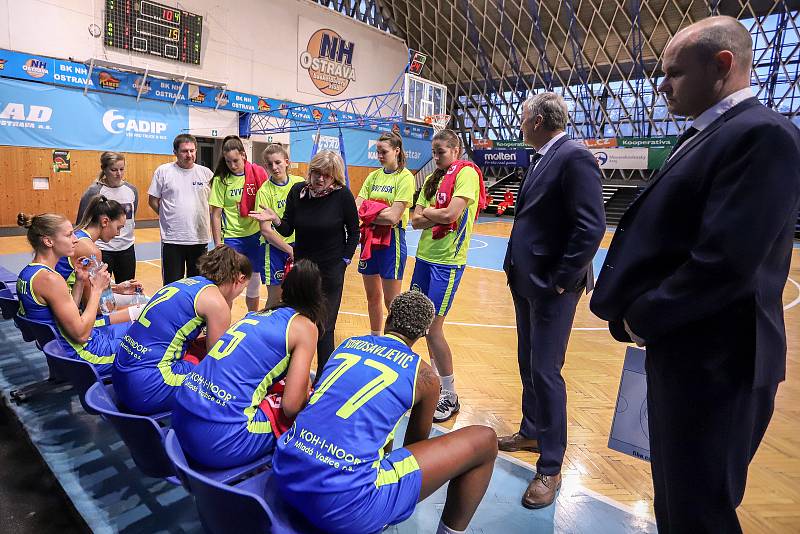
(322, 213)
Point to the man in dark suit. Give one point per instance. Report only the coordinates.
(696, 271)
(558, 224)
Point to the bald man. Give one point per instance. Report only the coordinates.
(696, 272)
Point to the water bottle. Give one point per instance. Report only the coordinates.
(139, 298)
(107, 302)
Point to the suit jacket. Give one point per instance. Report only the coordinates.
(699, 261)
(558, 223)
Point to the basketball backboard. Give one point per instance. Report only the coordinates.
(423, 98)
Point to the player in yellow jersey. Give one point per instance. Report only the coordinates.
(235, 178)
(392, 184)
(442, 249)
(273, 195)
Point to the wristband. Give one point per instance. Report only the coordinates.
(347, 261)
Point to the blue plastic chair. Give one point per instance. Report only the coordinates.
(142, 434)
(250, 506)
(32, 331)
(8, 303)
(145, 438)
(42, 333)
(81, 374)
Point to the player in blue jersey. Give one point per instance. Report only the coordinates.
(152, 359)
(103, 219)
(221, 415)
(334, 464)
(44, 296)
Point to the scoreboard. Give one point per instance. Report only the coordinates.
(153, 28)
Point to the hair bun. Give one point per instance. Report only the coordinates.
(24, 220)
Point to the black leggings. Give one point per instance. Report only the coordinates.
(121, 263)
(332, 285)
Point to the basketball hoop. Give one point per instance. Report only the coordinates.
(439, 122)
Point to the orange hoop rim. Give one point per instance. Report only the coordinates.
(439, 121)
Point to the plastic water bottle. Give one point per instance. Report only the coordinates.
(139, 298)
(107, 302)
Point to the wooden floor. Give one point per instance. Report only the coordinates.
(483, 340)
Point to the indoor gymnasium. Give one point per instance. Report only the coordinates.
(363, 266)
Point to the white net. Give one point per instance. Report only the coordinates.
(439, 122)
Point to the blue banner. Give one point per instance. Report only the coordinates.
(359, 147)
(44, 69)
(503, 157)
(39, 115)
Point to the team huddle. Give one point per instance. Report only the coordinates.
(240, 390)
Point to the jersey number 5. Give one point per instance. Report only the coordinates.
(386, 378)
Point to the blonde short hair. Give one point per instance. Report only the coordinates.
(327, 162)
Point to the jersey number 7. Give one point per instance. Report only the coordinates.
(386, 378)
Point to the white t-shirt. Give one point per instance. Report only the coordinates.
(183, 214)
(127, 195)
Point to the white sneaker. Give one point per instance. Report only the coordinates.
(447, 407)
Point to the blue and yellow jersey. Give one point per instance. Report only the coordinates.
(164, 329)
(65, 267)
(230, 383)
(226, 195)
(273, 196)
(336, 443)
(398, 186)
(98, 350)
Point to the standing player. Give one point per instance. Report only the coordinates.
(152, 362)
(446, 210)
(233, 193)
(273, 195)
(393, 185)
(222, 416)
(336, 465)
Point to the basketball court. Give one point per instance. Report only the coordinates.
(603, 490)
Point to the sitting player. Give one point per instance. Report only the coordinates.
(44, 295)
(102, 220)
(221, 415)
(152, 362)
(333, 465)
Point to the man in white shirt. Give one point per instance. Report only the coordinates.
(696, 272)
(179, 194)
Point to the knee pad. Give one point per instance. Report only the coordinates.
(254, 287)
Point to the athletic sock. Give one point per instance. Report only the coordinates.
(375, 332)
(444, 529)
(448, 383)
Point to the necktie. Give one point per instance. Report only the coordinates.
(520, 196)
(682, 138)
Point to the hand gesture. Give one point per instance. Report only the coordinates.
(265, 215)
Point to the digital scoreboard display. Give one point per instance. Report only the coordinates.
(152, 28)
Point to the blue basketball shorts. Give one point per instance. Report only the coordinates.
(389, 262)
(274, 263)
(439, 282)
(389, 501)
(252, 247)
(144, 390)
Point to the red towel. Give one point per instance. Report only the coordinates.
(254, 177)
(373, 235)
(271, 406)
(445, 194)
